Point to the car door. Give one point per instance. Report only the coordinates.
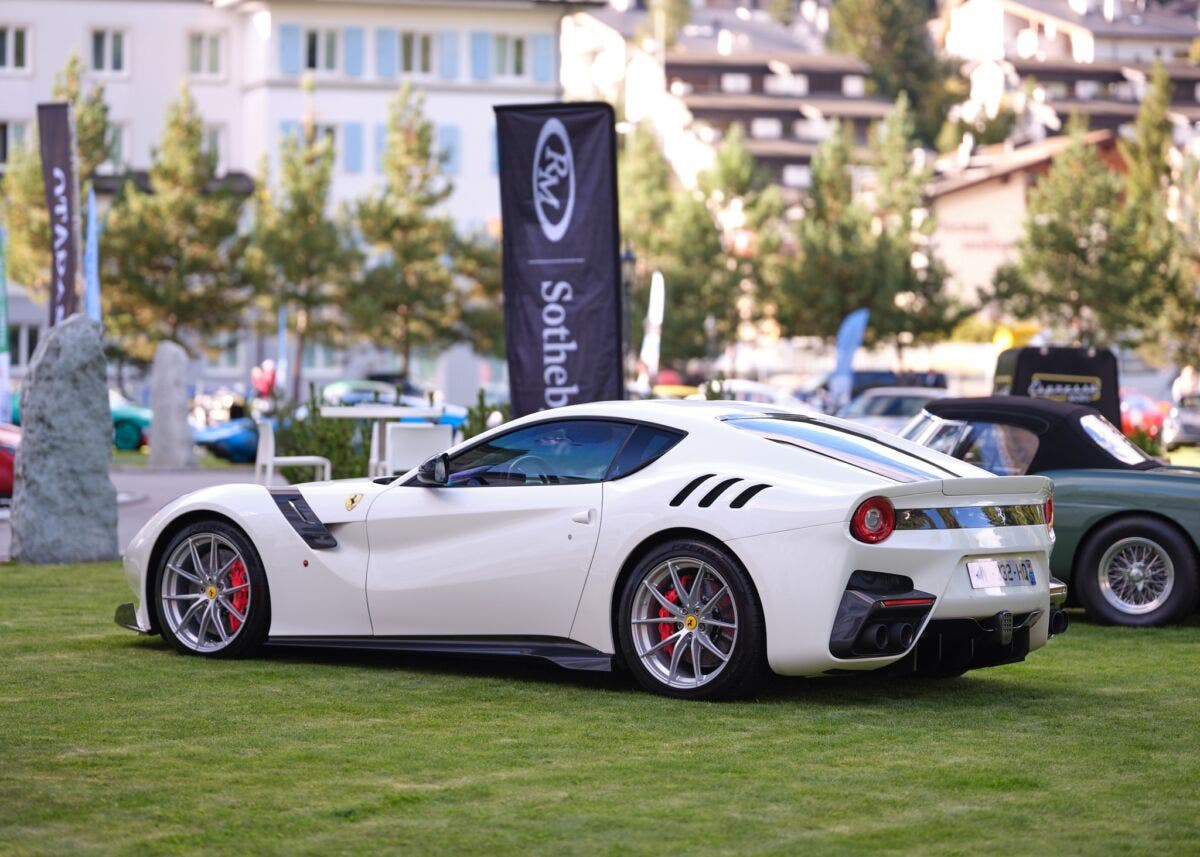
(504, 548)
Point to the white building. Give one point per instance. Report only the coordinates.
(244, 59)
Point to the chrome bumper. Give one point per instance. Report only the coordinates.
(1058, 592)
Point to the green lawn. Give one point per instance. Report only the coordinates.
(140, 457)
(1187, 456)
(112, 743)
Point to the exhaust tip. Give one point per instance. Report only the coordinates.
(900, 635)
(1058, 621)
(877, 636)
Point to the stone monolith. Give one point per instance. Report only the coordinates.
(170, 433)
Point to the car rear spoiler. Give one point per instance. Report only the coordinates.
(993, 485)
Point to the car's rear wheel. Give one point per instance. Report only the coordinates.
(1136, 571)
(127, 436)
(211, 592)
(690, 625)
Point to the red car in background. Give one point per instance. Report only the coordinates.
(10, 439)
(1139, 412)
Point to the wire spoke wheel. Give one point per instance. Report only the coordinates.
(684, 622)
(1136, 575)
(206, 592)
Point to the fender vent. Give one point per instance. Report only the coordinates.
(686, 490)
(749, 494)
(302, 518)
(717, 491)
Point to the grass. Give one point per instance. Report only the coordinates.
(140, 458)
(113, 743)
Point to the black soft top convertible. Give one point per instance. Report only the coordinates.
(1064, 443)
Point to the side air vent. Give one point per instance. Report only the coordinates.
(302, 518)
(749, 494)
(686, 490)
(717, 491)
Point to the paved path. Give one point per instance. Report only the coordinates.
(142, 492)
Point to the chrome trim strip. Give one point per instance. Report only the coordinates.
(1058, 592)
(970, 517)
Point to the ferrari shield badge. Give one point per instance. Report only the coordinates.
(352, 501)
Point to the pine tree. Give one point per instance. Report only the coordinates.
(1146, 152)
(300, 256)
(1080, 266)
(407, 295)
(170, 256)
(23, 200)
(891, 37)
(480, 274)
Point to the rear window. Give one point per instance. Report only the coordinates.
(848, 447)
(645, 445)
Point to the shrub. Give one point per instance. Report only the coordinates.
(1147, 444)
(478, 413)
(303, 431)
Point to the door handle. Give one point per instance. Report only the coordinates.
(587, 516)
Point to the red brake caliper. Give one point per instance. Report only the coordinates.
(666, 629)
(237, 577)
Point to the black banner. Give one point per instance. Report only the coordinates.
(57, 132)
(562, 274)
(1083, 376)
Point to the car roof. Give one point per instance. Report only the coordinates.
(928, 392)
(1062, 442)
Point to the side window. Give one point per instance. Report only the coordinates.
(562, 452)
(1000, 449)
(646, 445)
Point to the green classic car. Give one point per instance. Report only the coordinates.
(1127, 525)
(131, 423)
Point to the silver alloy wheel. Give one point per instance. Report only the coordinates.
(202, 592)
(684, 622)
(1136, 575)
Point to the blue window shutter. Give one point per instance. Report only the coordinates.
(289, 49)
(352, 154)
(481, 56)
(495, 152)
(385, 52)
(380, 146)
(288, 129)
(447, 136)
(543, 59)
(448, 59)
(354, 51)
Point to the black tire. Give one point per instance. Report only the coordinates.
(1138, 535)
(127, 436)
(248, 636)
(746, 664)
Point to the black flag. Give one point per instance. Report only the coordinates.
(562, 289)
(57, 132)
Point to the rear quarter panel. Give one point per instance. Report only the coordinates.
(1084, 499)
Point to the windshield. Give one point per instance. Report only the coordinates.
(1111, 440)
(885, 406)
(848, 447)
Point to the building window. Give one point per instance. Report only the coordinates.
(766, 128)
(224, 352)
(797, 175)
(790, 84)
(854, 85)
(321, 50)
(13, 53)
(416, 53)
(211, 144)
(108, 50)
(115, 165)
(318, 355)
(204, 54)
(508, 55)
(734, 82)
(12, 137)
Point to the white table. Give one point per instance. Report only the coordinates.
(379, 415)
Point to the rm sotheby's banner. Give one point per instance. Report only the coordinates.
(57, 132)
(562, 289)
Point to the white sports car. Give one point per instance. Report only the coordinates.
(696, 543)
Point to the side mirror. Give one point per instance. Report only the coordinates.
(435, 471)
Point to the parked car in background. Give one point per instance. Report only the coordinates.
(234, 440)
(1127, 524)
(131, 423)
(384, 393)
(10, 439)
(1141, 413)
(1181, 427)
(741, 390)
(889, 408)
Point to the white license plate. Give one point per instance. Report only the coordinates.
(1009, 571)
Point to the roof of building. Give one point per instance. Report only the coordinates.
(828, 106)
(755, 60)
(991, 162)
(753, 31)
(1104, 68)
(1150, 23)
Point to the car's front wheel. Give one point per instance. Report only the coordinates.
(127, 436)
(211, 592)
(1136, 571)
(690, 625)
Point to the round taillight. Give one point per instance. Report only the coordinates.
(1048, 511)
(873, 520)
